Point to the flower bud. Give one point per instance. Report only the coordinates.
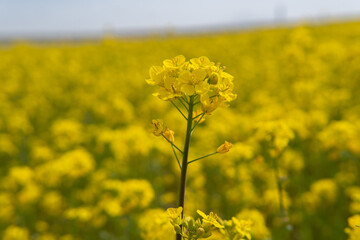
(200, 232)
(214, 78)
(169, 134)
(189, 223)
(177, 229)
(224, 147)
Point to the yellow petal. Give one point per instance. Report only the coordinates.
(199, 75)
(202, 214)
(188, 89)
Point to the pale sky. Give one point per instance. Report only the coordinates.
(21, 18)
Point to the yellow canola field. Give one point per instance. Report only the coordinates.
(78, 160)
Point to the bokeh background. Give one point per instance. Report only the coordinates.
(41, 19)
(78, 160)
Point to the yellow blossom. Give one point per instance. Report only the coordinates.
(158, 127)
(16, 233)
(156, 75)
(354, 227)
(176, 62)
(199, 77)
(174, 213)
(201, 62)
(212, 219)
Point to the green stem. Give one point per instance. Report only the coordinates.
(181, 101)
(172, 144)
(179, 110)
(197, 116)
(185, 162)
(283, 213)
(280, 189)
(196, 99)
(203, 157)
(177, 159)
(197, 122)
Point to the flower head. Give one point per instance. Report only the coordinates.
(198, 77)
(174, 213)
(211, 219)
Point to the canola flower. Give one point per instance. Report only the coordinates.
(199, 80)
(233, 229)
(187, 84)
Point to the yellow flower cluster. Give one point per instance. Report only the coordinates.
(276, 134)
(322, 193)
(154, 225)
(354, 195)
(233, 229)
(199, 76)
(16, 233)
(237, 229)
(258, 226)
(354, 227)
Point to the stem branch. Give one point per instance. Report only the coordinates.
(177, 159)
(208, 155)
(197, 122)
(178, 109)
(172, 144)
(181, 101)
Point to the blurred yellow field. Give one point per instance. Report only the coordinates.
(79, 161)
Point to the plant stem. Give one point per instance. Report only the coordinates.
(197, 122)
(178, 110)
(185, 161)
(283, 212)
(184, 104)
(208, 155)
(280, 189)
(172, 144)
(177, 159)
(198, 116)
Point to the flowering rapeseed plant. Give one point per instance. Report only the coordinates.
(197, 87)
(233, 229)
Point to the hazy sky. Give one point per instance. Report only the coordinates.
(47, 17)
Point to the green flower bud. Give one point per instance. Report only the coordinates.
(200, 232)
(190, 222)
(177, 229)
